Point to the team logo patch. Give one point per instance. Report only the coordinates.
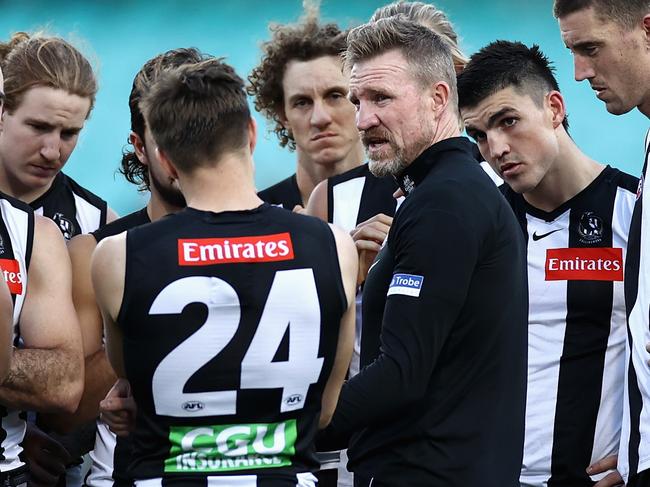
(406, 284)
(11, 272)
(639, 189)
(259, 248)
(590, 228)
(66, 226)
(584, 264)
(231, 447)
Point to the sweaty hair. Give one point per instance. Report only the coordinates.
(626, 13)
(133, 170)
(198, 112)
(429, 57)
(428, 16)
(29, 61)
(504, 64)
(304, 41)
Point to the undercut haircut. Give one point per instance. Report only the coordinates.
(197, 113)
(131, 167)
(505, 64)
(626, 13)
(304, 41)
(429, 16)
(34, 60)
(427, 54)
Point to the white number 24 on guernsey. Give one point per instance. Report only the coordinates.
(258, 371)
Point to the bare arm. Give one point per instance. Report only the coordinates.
(47, 374)
(111, 215)
(6, 326)
(348, 264)
(99, 376)
(107, 269)
(317, 204)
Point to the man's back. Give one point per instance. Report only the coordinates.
(229, 345)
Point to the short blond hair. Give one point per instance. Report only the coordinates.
(429, 16)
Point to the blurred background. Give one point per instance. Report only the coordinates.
(119, 36)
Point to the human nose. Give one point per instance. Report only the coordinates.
(366, 117)
(498, 146)
(51, 148)
(320, 115)
(582, 68)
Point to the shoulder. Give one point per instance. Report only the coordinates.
(621, 179)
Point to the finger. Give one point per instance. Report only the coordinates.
(369, 233)
(298, 209)
(379, 217)
(603, 465)
(398, 194)
(612, 480)
(367, 245)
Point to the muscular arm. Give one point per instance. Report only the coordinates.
(317, 204)
(6, 326)
(99, 376)
(47, 374)
(107, 270)
(348, 264)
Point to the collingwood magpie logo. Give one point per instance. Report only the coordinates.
(409, 185)
(590, 228)
(66, 226)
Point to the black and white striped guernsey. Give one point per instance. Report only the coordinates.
(576, 330)
(634, 453)
(16, 240)
(72, 207)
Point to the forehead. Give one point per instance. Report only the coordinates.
(506, 99)
(389, 69)
(55, 105)
(318, 74)
(586, 25)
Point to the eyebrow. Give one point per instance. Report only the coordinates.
(495, 116)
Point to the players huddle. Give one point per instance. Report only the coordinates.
(409, 323)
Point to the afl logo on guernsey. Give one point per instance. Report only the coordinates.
(11, 272)
(259, 248)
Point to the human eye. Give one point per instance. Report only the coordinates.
(38, 126)
(301, 103)
(509, 121)
(355, 101)
(477, 135)
(69, 134)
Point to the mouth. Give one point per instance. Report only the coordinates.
(374, 142)
(599, 90)
(44, 170)
(323, 135)
(509, 169)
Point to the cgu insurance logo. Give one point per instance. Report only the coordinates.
(11, 272)
(259, 248)
(227, 448)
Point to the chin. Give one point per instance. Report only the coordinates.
(617, 108)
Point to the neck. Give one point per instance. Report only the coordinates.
(309, 173)
(447, 127)
(16, 189)
(225, 185)
(570, 173)
(157, 207)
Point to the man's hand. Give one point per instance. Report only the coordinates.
(608, 463)
(368, 236)
(46, 457)
(647, 347)
(118, 408)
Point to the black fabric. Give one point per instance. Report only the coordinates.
(58, 204)
(151, 337)
(376, 196)
(641, 479)
(443, 403)
(285, 193)
(123, 224)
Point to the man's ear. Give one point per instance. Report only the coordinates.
(439, 93)
(166, 164)
(555, 103)
(252, 134)
(139, 148)
(646, 28)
